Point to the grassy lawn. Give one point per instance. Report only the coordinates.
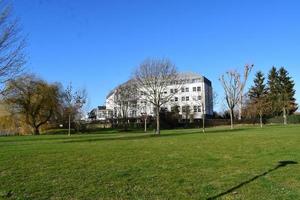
(180, 164)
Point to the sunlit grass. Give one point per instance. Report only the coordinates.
(179, 164)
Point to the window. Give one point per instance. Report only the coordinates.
(198, 89)
(185, 109)
(165, 92)
(199, 108)
(174, 109)
(182, 89)
(176, 98)
(195, 109)
(175, 90)
(187, 98)
(194, 89)
(182, 98)
(171, 91)
(199, 97)
(187, 89)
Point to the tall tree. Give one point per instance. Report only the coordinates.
(153, 77)
(273, 91)
(286, 95)
(242, 84)
(12, 44)
(233, 87)
(258, 96)
(34, 99)
(230, 82)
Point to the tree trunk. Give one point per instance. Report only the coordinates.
(36, 131)
(157, 121)
(186, 119)
(231, 119)
(261, 120)
(284, 117)
(69, 130)
(145, 124)
(240, 109)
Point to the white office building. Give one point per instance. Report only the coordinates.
(192, 96)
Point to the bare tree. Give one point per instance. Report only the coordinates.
(233, 88)
(74, 102)
(144, 112)
(215, 99)
(12, 57)
(242, 84)
(231, 85)
(187, 113)
(153, 77)
(125, 102)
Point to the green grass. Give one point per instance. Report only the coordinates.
(180, 164)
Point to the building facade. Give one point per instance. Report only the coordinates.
(192, 97)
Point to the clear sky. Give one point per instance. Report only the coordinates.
(97, 44)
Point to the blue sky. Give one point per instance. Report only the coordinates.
(97, 44)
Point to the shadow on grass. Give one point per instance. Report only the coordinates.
(279, 165)
(137, 136)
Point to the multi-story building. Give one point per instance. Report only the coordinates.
(191, 96)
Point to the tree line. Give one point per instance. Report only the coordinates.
(274, 97)
(267, 97)
(34, 103)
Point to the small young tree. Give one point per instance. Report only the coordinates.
(73, 103)
(233, 88)
(153, 77)
(258, 96)
(187, 112)
(144, 113)
(125, 101)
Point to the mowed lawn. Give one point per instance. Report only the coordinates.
(179, 164)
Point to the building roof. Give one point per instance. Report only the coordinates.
(189, 75)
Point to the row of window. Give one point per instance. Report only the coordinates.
(195, 89)
(186, 81)
(187, 109)
(187, 98)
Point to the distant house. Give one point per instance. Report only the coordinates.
(100, 114)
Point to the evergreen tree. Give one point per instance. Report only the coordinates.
(273, 91)
(258, 94)
(286, 95)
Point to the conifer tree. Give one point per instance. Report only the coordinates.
(258, 96)
(286, 100)
(273, 91)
